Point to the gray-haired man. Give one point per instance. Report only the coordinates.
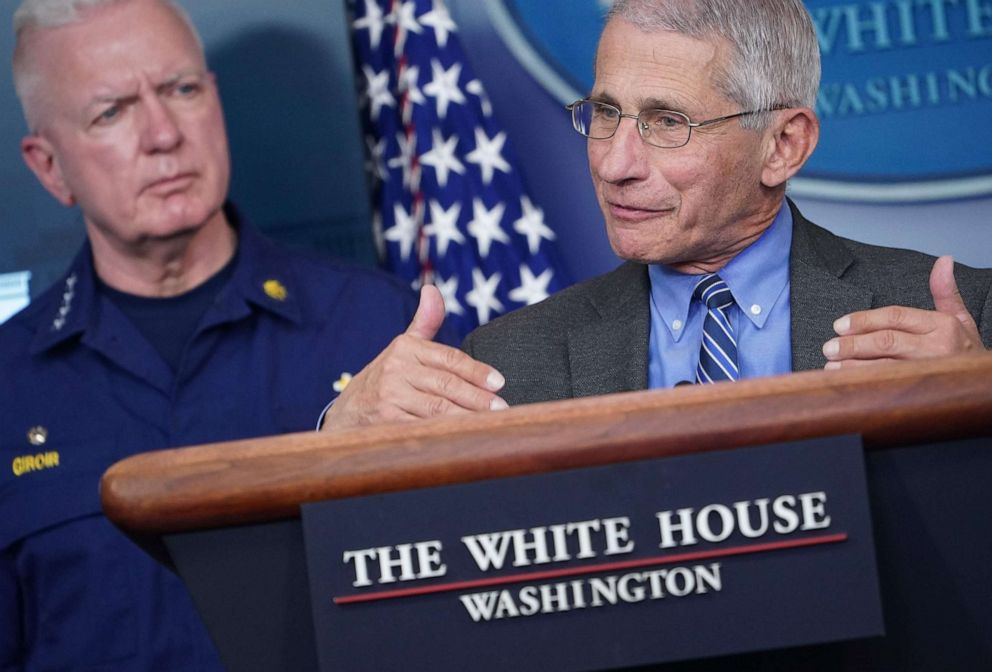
(700, 113)
(176, 324)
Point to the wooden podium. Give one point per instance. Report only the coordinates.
(227, 515)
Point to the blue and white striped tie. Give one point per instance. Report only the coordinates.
(718, 352)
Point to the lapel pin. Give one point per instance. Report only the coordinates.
(275, 290)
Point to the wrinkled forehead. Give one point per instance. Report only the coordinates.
(655, 68)
(633, 40)
(116, 29)
(108, 46)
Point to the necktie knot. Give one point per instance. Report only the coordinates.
(713, 292)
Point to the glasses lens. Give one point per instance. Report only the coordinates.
(664, 128)
(595, 120)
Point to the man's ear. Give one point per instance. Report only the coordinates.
(792, 139)
(40, 157)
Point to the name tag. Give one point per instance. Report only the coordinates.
(25, 464)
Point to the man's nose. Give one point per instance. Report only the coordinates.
(622, 157)
(160, 133)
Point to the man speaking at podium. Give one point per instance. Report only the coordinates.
(700, 113)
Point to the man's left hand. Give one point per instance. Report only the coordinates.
(898, 332)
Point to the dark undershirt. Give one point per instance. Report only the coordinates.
(169, 323)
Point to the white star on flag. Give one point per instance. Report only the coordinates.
(404, 17)
(449, 292)
(408, 84)
(531, 289)
(404, 231)
(488, 154)
(440, 20)
(531, 224)
(373, 20)
(406, 157)
(444, 86)
(482, 297)
(442, 157)
(376, 164)
(485, 227)
(444, 226)
(378, 90)
(475, 88)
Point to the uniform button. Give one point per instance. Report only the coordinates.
(756, 309)
(676, 325)
(37, 436)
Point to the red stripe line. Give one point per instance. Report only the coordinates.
(410, 130)
(592, 569)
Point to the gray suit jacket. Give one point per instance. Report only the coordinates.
(592, 338)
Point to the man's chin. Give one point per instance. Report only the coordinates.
(171, 225)
(644, 252)
(181, 214)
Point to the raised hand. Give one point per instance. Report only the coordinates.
(898, 332)
(417, 378)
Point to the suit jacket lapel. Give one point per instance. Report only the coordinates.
(609, 353)
(818, 294)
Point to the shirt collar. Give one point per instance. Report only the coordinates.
(73, 309)
(263, 277)
(757, 277)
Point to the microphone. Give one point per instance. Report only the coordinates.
(684, 382)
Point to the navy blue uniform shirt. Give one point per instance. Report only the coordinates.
(80, 388)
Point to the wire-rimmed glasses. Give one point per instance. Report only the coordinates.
(660, 128)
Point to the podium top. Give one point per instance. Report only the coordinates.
(267, 479)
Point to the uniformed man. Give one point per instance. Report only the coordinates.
(176, 324)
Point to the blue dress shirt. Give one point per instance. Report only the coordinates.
(758, 278)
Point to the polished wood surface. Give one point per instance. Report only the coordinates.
(267, 479)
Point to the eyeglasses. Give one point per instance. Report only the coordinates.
(659, 128)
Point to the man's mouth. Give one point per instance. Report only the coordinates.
(632, 212)
(168, 185)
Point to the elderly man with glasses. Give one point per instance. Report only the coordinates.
(700, 113)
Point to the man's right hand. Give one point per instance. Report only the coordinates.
(417, 378)
(898, 332)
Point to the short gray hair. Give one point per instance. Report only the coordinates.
(41, 14)
(776, 57)
(37, 15)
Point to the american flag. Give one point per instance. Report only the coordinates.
(449, 206)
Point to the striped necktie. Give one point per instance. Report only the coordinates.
(718, 352)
